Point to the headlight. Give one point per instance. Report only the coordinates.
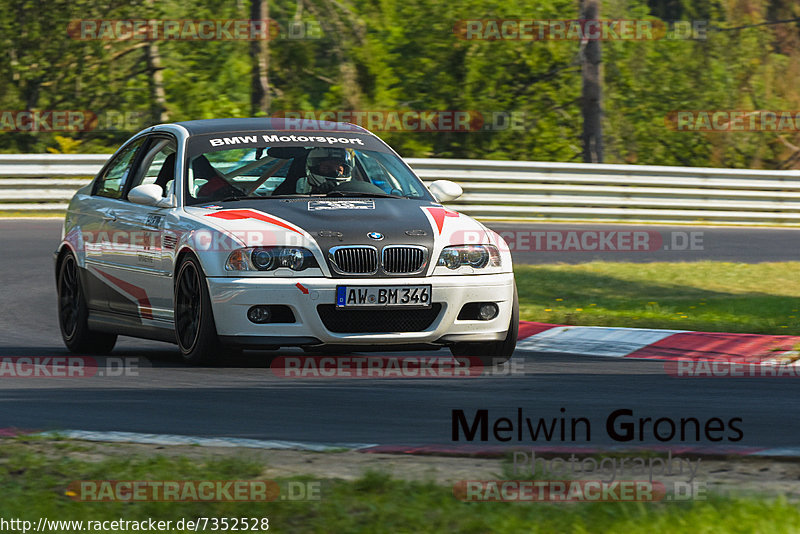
(475, 256)
(270, 258)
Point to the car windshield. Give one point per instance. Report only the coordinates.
(281, 171)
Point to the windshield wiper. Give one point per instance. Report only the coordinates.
(235, 197)
(361, 194)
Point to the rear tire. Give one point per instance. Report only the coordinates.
(492, 353)
(195, 330)
(73, 313)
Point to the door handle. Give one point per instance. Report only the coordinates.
(110, 217)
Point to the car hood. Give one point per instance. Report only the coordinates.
(347, 221)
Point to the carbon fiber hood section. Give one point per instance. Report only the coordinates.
(334, 222)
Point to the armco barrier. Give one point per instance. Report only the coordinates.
(506, 189)
(44, 182)
(580, 191)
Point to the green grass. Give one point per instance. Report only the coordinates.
(762, 298)
(21, 214)
(34, 475)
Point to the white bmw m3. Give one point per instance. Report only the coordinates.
(268, 233)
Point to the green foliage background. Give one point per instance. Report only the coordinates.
(404, 54)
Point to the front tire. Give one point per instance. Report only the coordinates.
(195, 329)
(73, 313)
(493, 353)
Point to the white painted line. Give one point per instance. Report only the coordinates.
(171, 439)
(593, 340)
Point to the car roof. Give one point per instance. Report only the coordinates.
(208, 126)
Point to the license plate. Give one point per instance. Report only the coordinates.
(378, 296)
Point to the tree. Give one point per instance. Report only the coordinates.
(591, 94)
(158, 97)
(259, 58)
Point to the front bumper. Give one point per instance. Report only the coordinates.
(231, 298)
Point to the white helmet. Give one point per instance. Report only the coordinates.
(329, 164)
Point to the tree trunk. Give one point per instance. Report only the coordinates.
(591, 93)
(158, 97)
(155, 78)
(259, 59)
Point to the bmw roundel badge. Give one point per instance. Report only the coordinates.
(377, 236)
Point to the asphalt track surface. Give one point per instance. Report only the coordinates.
(244, 398)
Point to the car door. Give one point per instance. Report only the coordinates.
(138, 260)
(97, 222)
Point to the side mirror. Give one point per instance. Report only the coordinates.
(445, 190)
(149, 195)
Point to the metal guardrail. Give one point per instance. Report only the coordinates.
(44, 182)
(592, 192)
(506, 189)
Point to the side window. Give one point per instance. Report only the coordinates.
(112, 183)
(377, 174)
(158, 165)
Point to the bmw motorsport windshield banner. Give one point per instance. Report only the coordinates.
(201, 144)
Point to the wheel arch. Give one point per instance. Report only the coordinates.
(182, 254)
(64, 249)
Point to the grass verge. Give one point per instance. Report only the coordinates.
(761, 298)
(27, 214)
(35, 472)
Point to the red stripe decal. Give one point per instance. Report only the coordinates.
(439, 214)
(235, 215)
(136, 292)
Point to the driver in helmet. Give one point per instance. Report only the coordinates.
(326, 169)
